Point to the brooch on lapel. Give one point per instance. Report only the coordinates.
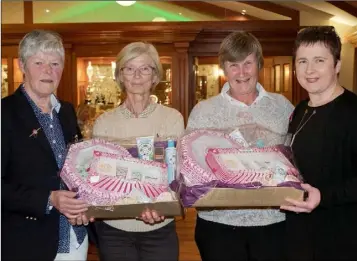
(35, 132)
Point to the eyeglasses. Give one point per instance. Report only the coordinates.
(144, 70)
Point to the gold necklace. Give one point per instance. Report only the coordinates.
(301, 125)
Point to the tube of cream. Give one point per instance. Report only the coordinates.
(145, 147)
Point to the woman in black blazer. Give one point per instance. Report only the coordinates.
(35, 130)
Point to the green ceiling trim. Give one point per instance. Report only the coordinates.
(84, 7)
(79, 9)
(169, 16)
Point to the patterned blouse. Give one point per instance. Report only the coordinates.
(51, 126)
(269, 110)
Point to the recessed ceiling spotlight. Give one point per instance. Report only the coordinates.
(159, 19)
(244, 11)
(47, 10)
(180, 13)
(125, 3)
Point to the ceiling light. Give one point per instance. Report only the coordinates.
(180, 13)
(47, 10)
(244, 11)
(159, 19)
(126, 3)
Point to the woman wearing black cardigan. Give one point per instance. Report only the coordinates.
(324, 145)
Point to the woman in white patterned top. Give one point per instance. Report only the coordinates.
(138, 71)
(244, 234)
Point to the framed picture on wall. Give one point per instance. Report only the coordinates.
(286, 77)
(277, 78)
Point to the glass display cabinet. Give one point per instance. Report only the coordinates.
(11, 76)
(4, 79)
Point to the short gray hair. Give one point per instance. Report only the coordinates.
(40, 40)
(133, 50)
(237, 46)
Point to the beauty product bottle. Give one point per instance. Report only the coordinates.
(170, 159)
(145, 147)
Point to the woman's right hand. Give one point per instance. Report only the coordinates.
(151, 216)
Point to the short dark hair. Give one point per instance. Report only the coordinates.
(320, 34)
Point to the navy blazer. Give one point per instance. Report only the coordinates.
(28, 173)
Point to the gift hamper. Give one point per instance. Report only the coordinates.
(248, 166)
(114, 183)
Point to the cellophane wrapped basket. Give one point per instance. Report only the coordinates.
(105, 173)
(245, 157)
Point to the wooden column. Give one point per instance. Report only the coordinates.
(180, 78)
(355, 72)
(28, 12)
(65, 89)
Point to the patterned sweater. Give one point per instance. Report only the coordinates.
(270, 110)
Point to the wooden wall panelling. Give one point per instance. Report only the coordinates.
(180, 78)
(28, 12)
(181, 40)
(355, 74)
(65, 88)
(163, 32)
(10, 76)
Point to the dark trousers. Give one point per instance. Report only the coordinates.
(217, 241)
(118, 245)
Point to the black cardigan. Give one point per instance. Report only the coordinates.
(330, 231)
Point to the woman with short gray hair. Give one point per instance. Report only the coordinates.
(138, 71)
(40, 41)
(36, 128)
(242, 234)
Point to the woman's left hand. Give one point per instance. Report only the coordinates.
(312, 201)
(151, 216)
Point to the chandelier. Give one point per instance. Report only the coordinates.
(126, 3)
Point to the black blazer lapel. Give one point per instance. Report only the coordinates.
(25, 112)
(68, 122)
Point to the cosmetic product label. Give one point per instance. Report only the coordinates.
(145, 147)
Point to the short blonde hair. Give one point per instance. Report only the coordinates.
(40, 40)
(132, 51)
(237, 46)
